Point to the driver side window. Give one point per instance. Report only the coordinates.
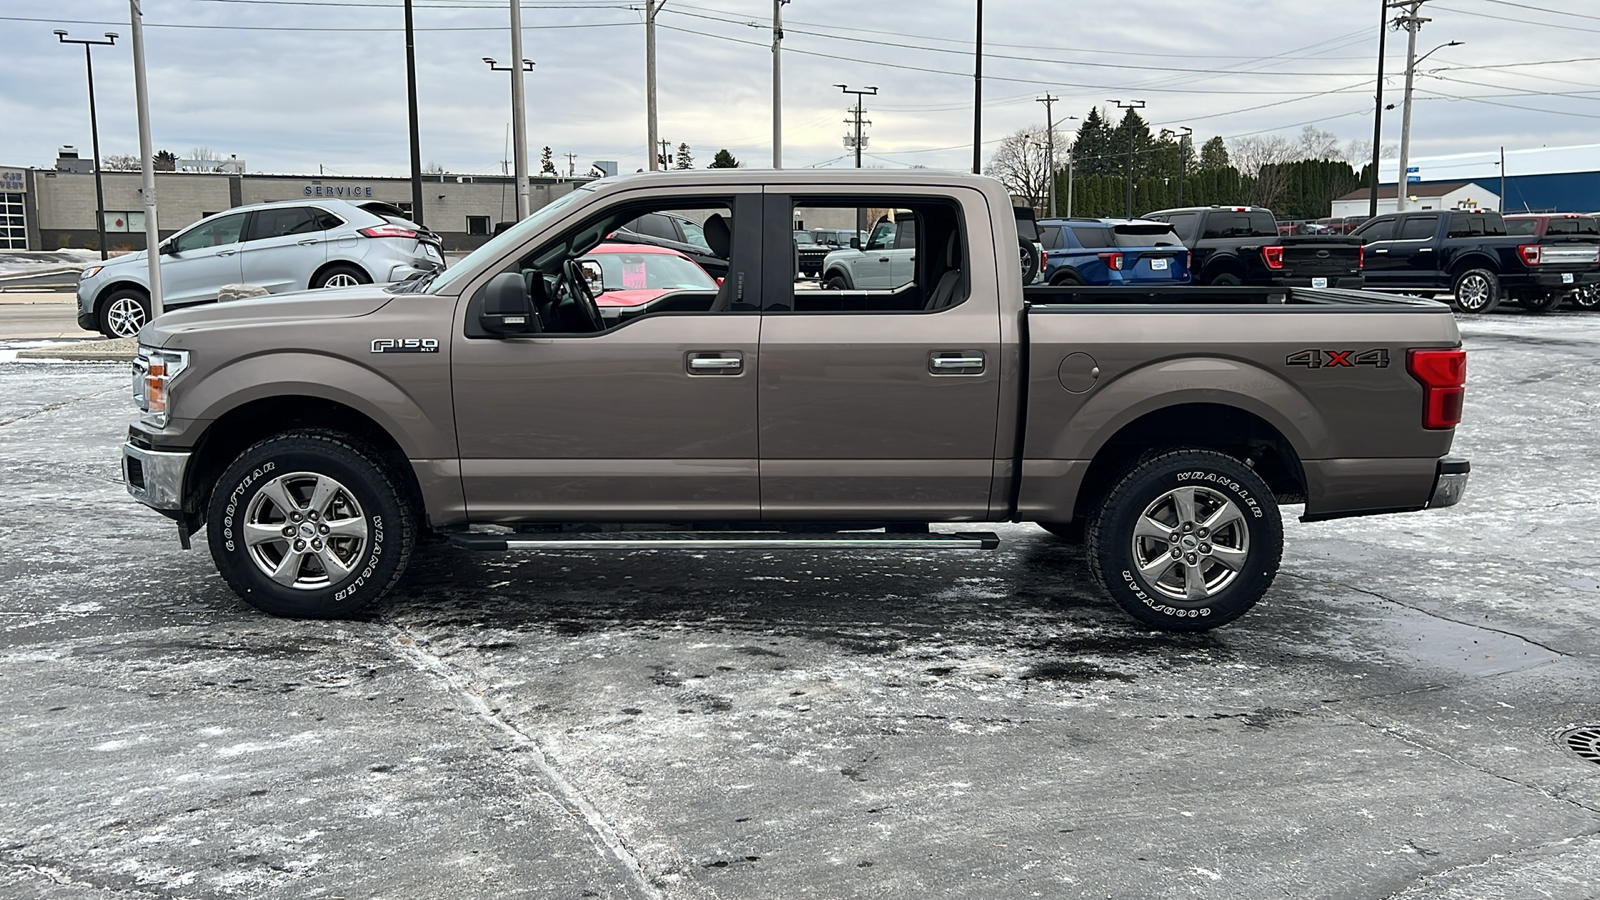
(216, 233)
(606, 272)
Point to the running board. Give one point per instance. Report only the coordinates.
(724, 540)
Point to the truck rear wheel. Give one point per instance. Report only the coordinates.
(1186, 541)
(1476, 291)
(1587, 297)
(1540, 303)
(309, 524)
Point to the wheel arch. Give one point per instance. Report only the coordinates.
(106, 291)
(843, 271)
(1066, 273)
(1222, 265)
(1474, 260)
(339, 263)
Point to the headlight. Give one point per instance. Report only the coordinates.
(90, 272)
(153, 372)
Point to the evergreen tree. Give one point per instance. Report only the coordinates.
(547, 165)
(685, 161)
(723, 160)
(1214, 155)
(1092, 150)
(165, 161)
(1132, 144)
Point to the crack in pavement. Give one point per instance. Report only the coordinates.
(1420, 881)
(60, 404)
(1429, 612)
(566, 793)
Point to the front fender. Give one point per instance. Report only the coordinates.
(1188, 380)
(414, 410)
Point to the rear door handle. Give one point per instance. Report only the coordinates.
(308, 242)
(1380, 250)
(713, 362)
(956, 362)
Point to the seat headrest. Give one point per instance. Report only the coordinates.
(718, 235)
(952, 251)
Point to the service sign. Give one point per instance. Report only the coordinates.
(339, 191)
(12, 181)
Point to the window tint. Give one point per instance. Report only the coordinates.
(1183, 224)
(654, 225)
(1517, 226)
(272, 223)
(1584, 225)
(1419, 228)
(216, 233)
(1093, 236)
(882, 236)
(327, 221)
(906, 235)
(1144, 235)
(1376, 230)
(1050, 237)
(1262, 224)
(1228, 225)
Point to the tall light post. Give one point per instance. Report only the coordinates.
(977, 95)
(411, 115)
(1377, 115)
(1412, 60)
(1126, 105)
(1182, 134)
(777, 83)
(94, 130)
(518, 127)
(147, 193)
(1050, 146)
(652, 133)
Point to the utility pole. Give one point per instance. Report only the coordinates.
(1050, 145)
(777, 83)
(1129, 104)
(572, 164)
(652, 135)
(94, 131)
(666, 157)
(1502, 178)
(977, 98)
(1412, 23)
(1069, 185)
(857, 120)
(411, 110)
(1183, 155)
(141, 98)
(519, 137)
(1377, 117)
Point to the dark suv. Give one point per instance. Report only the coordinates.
(1241, 245)
(675, 232)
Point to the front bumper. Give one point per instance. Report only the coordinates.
(1450, 482)
(155, 477)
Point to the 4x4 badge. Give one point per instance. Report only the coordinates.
(405, 345)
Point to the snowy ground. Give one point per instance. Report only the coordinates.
(30, 262)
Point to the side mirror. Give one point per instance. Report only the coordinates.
(593, 276)
(855, 243)
(507, 308)
(167, 248)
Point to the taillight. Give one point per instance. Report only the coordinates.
(1272, 256)
(1044, 259)
(383, 231)
(1188, 259)
(1531, 254)
(1443, 375)
(1361, 257)
(1113, 261)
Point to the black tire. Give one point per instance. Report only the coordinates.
(1028, 258)
(1587, 297)
(364, 489)
(1066, 532)
(1540, 303)
(124, 312)
(1475, 291)
(1225, 279)
(338, 274)
(1253, 540)
(836, 281)
(1066, 278)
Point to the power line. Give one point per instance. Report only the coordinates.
(323, 28)
(1522, 21)
(1440, 95)
(1553, 12)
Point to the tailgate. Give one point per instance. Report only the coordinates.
(1321, 256)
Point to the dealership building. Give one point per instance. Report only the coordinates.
(53, 209)
(1540, 179)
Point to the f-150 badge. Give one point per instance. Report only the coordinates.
(405, 345)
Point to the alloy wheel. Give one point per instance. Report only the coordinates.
(1190, 543)
(305, 531)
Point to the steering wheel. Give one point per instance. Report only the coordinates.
(578, 287)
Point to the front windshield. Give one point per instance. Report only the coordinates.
(650, 271)
(505, 240)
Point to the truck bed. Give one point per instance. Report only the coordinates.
(1042, 298)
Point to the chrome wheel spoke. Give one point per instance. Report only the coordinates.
(1183, 503)
(275, 491)
(1154, 570)
(331, 564)
(1229, 557)
(287, 572)
(1194, 583)
(321, 495)
(1226, 515)
(355, 527)
(257, 533)
(1147, 527)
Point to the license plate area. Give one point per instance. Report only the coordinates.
(1159, 264)
(1319, 282)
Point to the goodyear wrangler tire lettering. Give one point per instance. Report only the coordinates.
(1191, 545)
(297, 525)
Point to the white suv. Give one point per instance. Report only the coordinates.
(290, 246)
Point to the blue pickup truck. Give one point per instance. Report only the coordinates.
(1098, 252)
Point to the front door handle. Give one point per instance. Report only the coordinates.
(226, 252)
(714, 362)
(956, 362)
(883, 259)
(1380, 250)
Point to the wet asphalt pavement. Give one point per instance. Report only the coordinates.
(796, 724)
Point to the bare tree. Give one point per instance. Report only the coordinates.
(204, 154)
(1249, 154)
(121, 162)
(433, 168)
(1020, 163)
(1318, 144)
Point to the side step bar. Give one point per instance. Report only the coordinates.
(724, 540)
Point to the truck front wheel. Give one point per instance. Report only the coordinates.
(309, 524)
(1186, 541)
(1476, 291)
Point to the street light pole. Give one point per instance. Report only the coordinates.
(777, 83)
(977, 96)
(520, 140)
(1050, 146)
(1377, 117)
(1412, 23)
(411, 113)
(1182, 134)
(652, 134)
(1125, 105)
(94, 131)
(147, 195)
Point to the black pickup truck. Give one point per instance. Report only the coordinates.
(1469, 254)
(1241, 245)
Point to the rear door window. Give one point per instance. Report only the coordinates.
(1376, 230)
(1516, 226)
(272, 223)
(1575, 225)
(1419, 228)
(1183, 224)
(1228, 225)
(1262, 224)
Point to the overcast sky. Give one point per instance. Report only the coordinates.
(289, 86)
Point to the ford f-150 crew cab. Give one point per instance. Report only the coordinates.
(314, 436)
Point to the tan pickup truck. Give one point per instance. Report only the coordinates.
(315, 435)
